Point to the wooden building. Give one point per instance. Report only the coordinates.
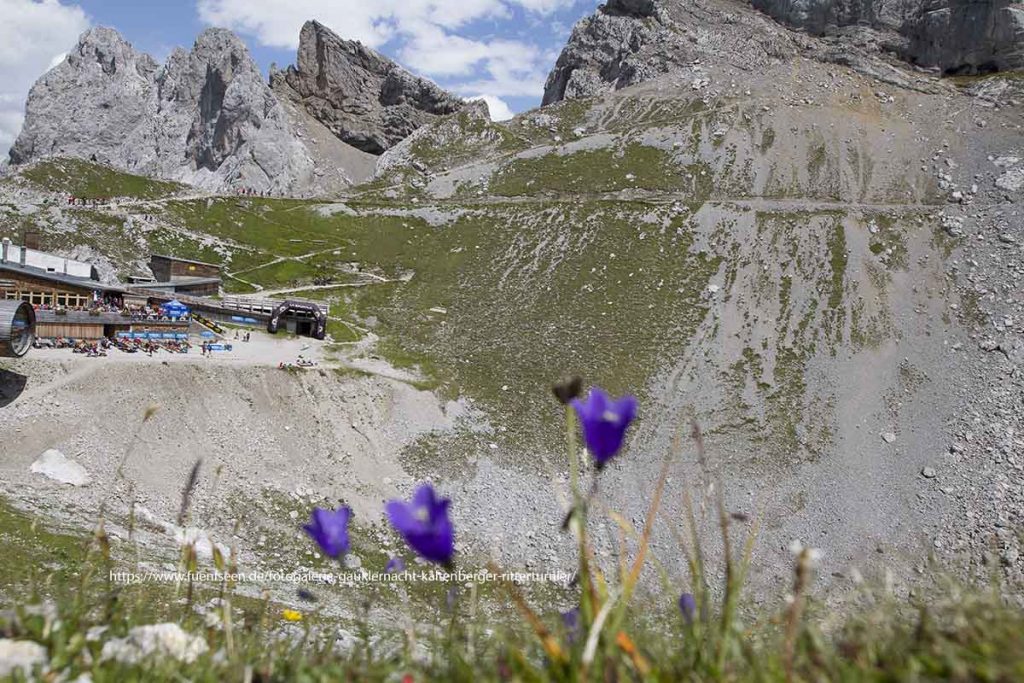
(47, 292)
(170, 268)
(192, 286)
(43, 288)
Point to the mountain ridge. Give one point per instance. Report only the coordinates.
(208, 118)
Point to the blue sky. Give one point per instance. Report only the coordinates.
(500, 49)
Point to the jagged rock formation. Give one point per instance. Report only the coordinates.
(630, 41)
(614, 48)
(206, 117)
(108, 74)
(364, 98)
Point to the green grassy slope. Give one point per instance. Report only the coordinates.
(87, 180)
(580, 257)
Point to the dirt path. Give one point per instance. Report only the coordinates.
(337, 285)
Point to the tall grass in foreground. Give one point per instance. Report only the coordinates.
(699, 632)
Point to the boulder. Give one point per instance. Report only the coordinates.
(55, 465)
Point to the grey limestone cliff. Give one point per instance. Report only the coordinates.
(968, 36)
(957, 36)
(364, 98)
(206, 117)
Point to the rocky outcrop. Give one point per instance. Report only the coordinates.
(969, 36)
(612, 49)
(957, 36)
(226, 118)
(820, 17)
(364, 98)
(630, 41)
(206, 117)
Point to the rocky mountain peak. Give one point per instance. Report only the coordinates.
(364, 98)
(206, 117)
(209, 118)
(109, 50)
(88, 103)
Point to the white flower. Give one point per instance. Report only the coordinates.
(798, 548)
(167, 640)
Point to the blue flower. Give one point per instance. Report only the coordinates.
(571, 623)
(330, 529)
(604, 421)
(424, 524)
(688, 607)
(395, 564)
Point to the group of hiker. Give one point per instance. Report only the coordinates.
(88, 201)
(251, 192)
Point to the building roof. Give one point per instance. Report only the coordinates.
(60, 278)
(49, 262)
(187, 281)
(184, 260)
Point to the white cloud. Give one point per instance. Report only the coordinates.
(545, 6)
(429, 36)
(511, 77)
(374, 22)
(31, 34)
(432, 51)
(500, 111)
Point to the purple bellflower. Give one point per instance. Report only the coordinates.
(395, 564)
(329, 528)
(571, 624)
(604, 421)
(688, 607)
(424, 524)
